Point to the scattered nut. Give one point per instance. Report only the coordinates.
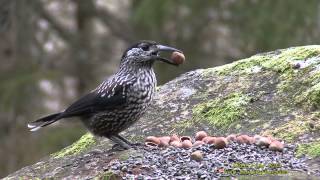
(200, 135)
(174, 137)
(153, 139)
(220, 143)
(209, 140)
(276, 146)
(150, 144)
(231, 137)
(198, 143)
(262, 141)
(197, 156)
(184, 138)
(176, 144)
(164, 141)
(245, 139)
(186, 144)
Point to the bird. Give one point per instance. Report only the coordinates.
(121, 99)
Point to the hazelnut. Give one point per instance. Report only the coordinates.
(197, 156)
(150, 144)
(176, 144)
(209, 140)
(153, 139)
(220, 143)
(174, 137)
(177, 57)
(262, 141)
(184, 138)
(198, 143)
(276, 146)
(231, 137)
(200, 135)
(186, 144)
(164, 141)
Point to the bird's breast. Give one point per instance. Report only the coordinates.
(143, 89)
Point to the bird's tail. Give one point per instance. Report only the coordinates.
(42, 122)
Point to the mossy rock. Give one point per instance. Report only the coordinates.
(275, 93)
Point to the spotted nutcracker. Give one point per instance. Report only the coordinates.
(120, 100)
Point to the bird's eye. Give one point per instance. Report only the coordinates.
(145, 47)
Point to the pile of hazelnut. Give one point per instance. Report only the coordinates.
(202, 137)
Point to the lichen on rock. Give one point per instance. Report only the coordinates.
(82, 144)
(311, 149)
(222, 112)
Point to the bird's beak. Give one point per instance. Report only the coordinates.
(162, 48)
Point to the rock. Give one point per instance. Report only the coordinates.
(197, 156)
(200, 135)
(257, 95)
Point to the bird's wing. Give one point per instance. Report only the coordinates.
(108, 95)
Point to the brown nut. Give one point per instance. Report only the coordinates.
(209, 140)
(174, 137)
(177, 57)
(197, 156)
(231, 137)
(184, 138)
(198, 143)
(220, 143)
(176, 144)
(150, 144)
(153, 139)
(262, 141)
(186, 144)
(271, 138)
(244, 139)
(164, 141)
(240, 139)
(276, 146)
(200, 135)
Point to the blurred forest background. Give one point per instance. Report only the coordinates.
(53, 51)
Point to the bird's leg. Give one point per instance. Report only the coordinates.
(119, 143)
(128, 142)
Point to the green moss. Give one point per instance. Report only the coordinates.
(289, 131)
(221, 113)
(109, 175)
(82, 144)
(280, 62)
(181, 126)
(310, 98)
(310, 149)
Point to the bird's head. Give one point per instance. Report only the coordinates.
(146, 52)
